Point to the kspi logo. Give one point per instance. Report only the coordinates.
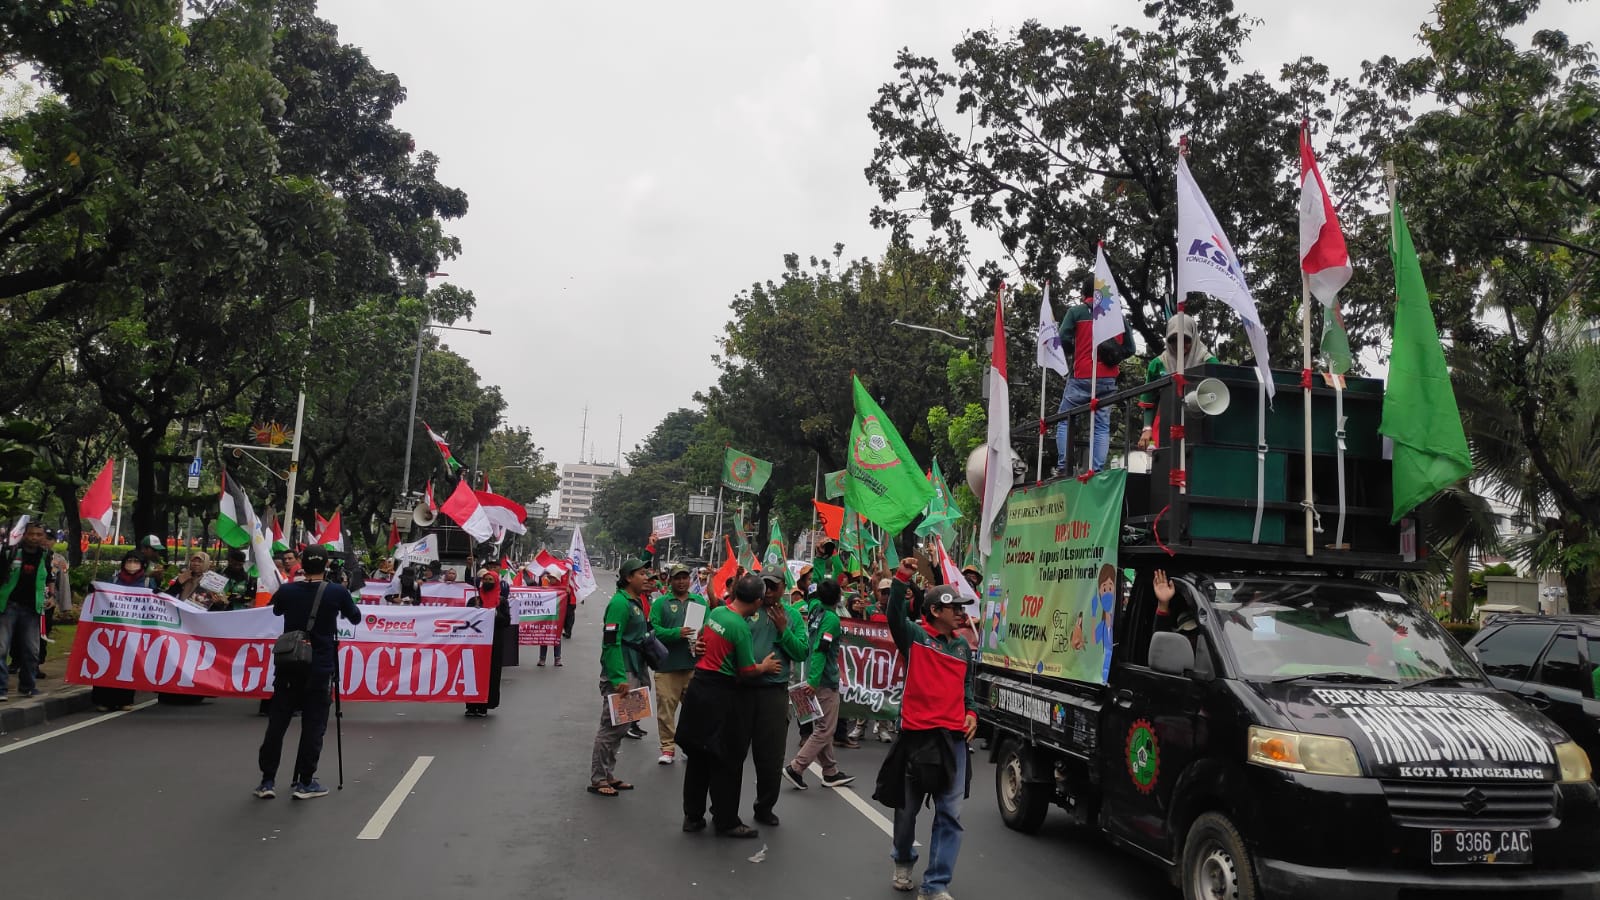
(456, 626)
(385, 625)
(1216, 253)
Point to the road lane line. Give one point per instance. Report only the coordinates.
(866, 809)
(391, 805)
(103, 717)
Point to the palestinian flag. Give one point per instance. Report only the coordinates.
(278, 543)
(237, 517)
(444, 449)
(332, 536)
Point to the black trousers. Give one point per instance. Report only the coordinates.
(769, 729)
(714, 732)
(497, 662)
(309, 694)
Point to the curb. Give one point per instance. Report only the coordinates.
(58, 705)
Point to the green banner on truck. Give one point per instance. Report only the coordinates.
(1051, 585)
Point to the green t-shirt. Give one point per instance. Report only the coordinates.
(825, 632)
(790, 644)
(666, 620)
(624, 624)
(728, 644)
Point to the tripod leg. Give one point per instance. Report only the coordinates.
(338, 720)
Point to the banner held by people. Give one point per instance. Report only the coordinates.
(537, 614)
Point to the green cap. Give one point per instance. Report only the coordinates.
(631, 565)
(678, 569)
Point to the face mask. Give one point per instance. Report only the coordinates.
(488, 584)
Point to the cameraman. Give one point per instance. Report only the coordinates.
(307, 691)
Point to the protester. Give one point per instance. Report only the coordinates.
(1181, 329)
(313, 606)
(58, 600)
(622, 669)
(240, 592)
(828, 565)
(24, 574)
(131, 574)
(776, 629)
(548, 580)
(569, 619)
(1088, 374)
(824, 635)
(936, 718)
(186, 584)
(491, 595)
(288, 566)
(155, 557)
(667, 617)
(974, 577)
(716, 717)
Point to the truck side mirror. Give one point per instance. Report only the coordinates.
(1171, 654)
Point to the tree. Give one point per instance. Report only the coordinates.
(1502, 178)
(1059, 139)
(657, 482)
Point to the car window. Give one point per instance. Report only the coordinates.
(1562, 667)
(1511, 651)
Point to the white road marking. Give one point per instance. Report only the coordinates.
(391, 805)
(102, 717)
(866, 809)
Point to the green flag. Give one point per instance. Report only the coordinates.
(743, 472)
(776, 558)
(942, 513)
(1419, 404)
(833, 484)
(746, 556)
(883, 482)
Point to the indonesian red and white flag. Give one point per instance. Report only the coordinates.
(1324, 258)
(950, 573)
(464, 509)
(332, 536)
(432, 506)
(503, 512)
(96, 503)
(997, 476)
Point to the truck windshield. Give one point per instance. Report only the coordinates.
(1292, 630)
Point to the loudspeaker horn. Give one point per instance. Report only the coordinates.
(1209, 398)
(422, 516)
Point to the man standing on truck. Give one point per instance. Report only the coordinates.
(936, 720)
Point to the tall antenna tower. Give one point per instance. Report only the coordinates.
(619, 442)
(583, 434)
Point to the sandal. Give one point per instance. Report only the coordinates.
(620, 785)
(604, 790)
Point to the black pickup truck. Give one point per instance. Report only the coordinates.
(1279, 735)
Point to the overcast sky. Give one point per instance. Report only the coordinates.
(631, 166)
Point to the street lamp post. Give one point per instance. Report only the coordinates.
(416, 376)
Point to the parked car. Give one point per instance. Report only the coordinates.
(1553, 662)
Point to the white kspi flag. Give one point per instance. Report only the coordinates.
(1107, 301)
(1208, 265)
(1050, 355)
(582, 576)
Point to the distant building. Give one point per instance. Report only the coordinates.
(579, 482)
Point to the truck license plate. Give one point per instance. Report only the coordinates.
(1482, 846)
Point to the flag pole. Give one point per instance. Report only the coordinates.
(1305, 358)
(1094, 386)
(714, 547)
(1038, 460)
(816, 476)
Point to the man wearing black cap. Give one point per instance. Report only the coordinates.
(936, 720)
(622, 669)
(777, 629)
(306, 691)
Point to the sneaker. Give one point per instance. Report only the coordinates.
(309, 789)
(266, 790)
(3, 698)
(794, 777)
(837, 779)
(558, 663)
(847, 742)
(635, 732)
(666, 758)
(902, 877)
(937, 895)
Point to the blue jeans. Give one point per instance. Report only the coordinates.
(1077, 394)
(946, 841)
(19, 632)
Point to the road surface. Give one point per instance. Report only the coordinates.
(156, 804)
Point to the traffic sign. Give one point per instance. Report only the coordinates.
(194, 470)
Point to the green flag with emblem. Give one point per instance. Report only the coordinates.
(743, 472)
(882, 482)
(833, 484)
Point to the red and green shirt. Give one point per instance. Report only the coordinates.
(728, 644)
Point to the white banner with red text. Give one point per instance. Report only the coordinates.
(139, 639)
(537, 613)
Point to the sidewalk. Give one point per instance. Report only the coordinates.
(58, 700)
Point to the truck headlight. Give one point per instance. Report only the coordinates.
(1574, 763)
(1314, 754)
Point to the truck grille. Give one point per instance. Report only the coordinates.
(1436, 802)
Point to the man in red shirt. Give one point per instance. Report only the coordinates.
(1089, 370)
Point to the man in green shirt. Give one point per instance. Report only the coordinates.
(822, 676)
(779, 629)
(714, 721)
(622, 669)
(829, 564)
(667, 616)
